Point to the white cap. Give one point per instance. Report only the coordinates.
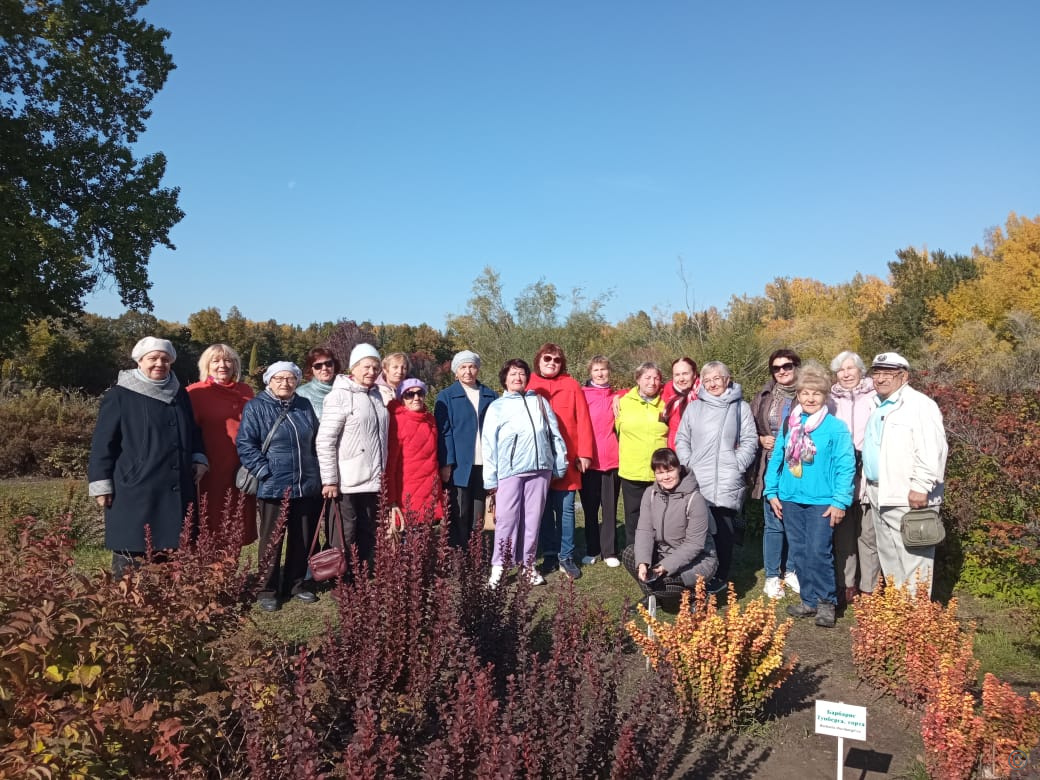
(890, 360)
(360, 352)
(152, 344)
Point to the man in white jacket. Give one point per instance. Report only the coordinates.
(904, 462)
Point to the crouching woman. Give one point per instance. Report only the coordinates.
(674, 544)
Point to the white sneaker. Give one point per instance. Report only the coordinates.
(791, 581)
(535, 578)
(612, 562)
(773, 589)
(588, 560)
(496, 576)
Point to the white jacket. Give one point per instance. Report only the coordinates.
(913, 449)
(351, 440)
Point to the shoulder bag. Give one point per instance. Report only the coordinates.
(332, 562)
(922, 528)
(247, 481)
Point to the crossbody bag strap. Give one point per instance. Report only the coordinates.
(337, 519)
(270, 434)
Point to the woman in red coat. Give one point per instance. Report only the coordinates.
(413, 482)
(681, 390)
(563, 393)
(218, 400)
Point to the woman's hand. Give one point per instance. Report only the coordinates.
(836, 515)
(490, 492)
(330, 491)
(641, 572)
(767, 442)
(199, 470)
(583, 464)
(660, 571)
(445, 473)
(104, 501)
(777, 507)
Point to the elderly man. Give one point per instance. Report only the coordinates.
(904, 458)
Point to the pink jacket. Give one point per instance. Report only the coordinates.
(601, 411)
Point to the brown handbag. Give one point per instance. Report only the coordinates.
(332, 562)
(489, 513)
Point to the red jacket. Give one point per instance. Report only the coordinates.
(412, 475)
(675, 406)
(218, 413)
(567, 400)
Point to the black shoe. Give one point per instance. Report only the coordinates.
(305, 596)
(800, 610)
(268, 603)
(550, 563)
(569, 568)
(715, 585)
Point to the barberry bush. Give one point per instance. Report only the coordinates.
(726, 663)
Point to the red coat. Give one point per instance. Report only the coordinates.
(567, 400)
(412, 475)
(218, 413)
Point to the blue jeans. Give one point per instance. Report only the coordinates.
(810, 536)
(558, 524)
(774, 544)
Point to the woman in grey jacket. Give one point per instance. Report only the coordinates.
(674, 544)
(717, 442)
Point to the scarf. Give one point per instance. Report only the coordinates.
(164, 390)
(800, 448)
(780, 397)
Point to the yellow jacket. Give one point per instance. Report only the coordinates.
(640, 432)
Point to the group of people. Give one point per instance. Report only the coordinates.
(836, 462)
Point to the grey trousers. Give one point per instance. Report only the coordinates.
(897, 561)
(855, 549)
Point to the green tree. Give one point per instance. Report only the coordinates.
(75, 204)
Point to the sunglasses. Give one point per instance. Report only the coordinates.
(413, 394)
(782, 367)
(322, 364)
(551, 359)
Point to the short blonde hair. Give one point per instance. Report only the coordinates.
(216, 350)
(813, 376)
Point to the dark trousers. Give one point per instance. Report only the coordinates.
(288, 578)
(724, 521)
(466, 508)
(632, 496)
(671, 585)
(359, 511)
(599, 490)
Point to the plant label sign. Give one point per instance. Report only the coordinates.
(841, 720)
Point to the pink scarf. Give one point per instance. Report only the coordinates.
(800, 448)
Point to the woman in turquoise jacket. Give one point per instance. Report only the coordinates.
(808, 484)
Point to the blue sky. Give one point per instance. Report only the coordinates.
(366, 160)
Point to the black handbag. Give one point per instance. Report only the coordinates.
(246, 480)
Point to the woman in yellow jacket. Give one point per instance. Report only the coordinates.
(640, 431)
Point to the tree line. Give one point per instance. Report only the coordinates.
(969, 316)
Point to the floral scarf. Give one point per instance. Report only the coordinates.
(800, 448)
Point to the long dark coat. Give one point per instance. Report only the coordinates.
(145, 446)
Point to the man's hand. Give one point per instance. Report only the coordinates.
(917, 499)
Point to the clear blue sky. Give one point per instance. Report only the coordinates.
(366, 160)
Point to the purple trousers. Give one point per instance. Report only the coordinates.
(519, 503)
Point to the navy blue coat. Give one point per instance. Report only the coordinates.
(458, 426)
(142, 453)
(290, 461)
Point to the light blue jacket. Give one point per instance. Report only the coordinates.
(825, 481)
(521, 435)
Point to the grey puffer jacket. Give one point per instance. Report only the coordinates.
(717, 442)
(677, 525)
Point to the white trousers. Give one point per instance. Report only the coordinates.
(898, 562)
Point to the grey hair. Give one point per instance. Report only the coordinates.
(715, 365)
(647, 366)
(844, 355)
(813, 376)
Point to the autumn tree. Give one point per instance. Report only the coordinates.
(76, 205)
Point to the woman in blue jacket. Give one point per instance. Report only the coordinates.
(460, 411)
(808, 484)
(523, 450)
(289, 469)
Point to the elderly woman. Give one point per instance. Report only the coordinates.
(217, 400)
(522, 449)
(552, 382)
(396, 367)
(460, 411)
(322, 367)
(599, 483)
(808, 484)
(770, 407)
(674, 545)
(678, 392)
(287, 470)
(717, 442)
(146, 456)
(852, 401)
(412, 477)
(352, 450)
(641, 431)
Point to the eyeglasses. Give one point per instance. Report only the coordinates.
(714, 380)
(284, 380)
(552, 359)
(413, 394)
(323, 364)
(782, 367)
